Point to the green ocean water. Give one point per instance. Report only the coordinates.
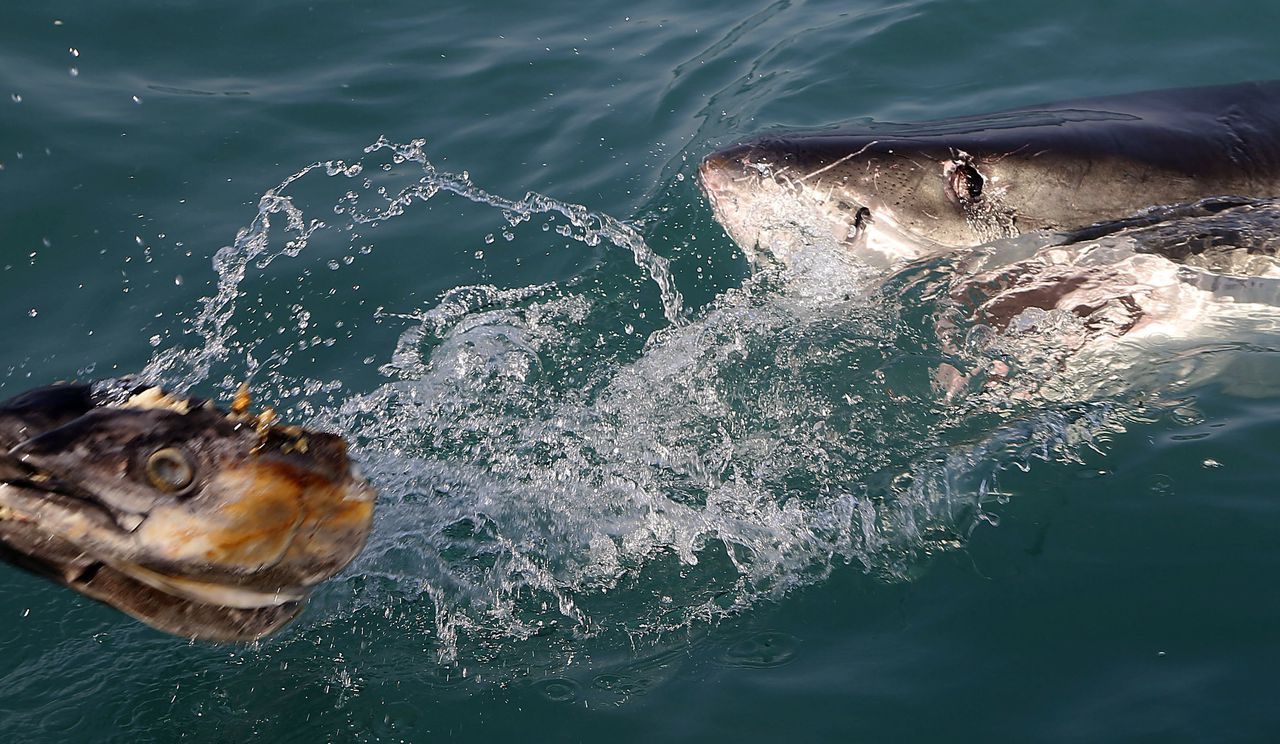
(629, 492)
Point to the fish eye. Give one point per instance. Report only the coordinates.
(170, 470)
(862, 218)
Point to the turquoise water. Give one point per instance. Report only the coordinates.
(629, 491)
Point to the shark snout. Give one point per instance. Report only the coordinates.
(715, 174)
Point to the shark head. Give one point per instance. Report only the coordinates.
(890, 193)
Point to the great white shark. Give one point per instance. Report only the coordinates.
(889, 193)
(1156, 221)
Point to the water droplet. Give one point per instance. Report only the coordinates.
(16, 98)
(1212, 463)
(75, 71)
(32, 313)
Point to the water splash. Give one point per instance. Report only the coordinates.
(544, 481)
(213, 328)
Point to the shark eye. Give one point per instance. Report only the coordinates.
(170, 470)
(862, 218)
(964, 182)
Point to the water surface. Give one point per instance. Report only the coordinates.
(630, 490)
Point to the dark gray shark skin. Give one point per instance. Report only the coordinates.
(894, 192)
(200, 522)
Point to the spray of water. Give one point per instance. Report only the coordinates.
(542, 482)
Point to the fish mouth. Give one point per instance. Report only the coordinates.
(209, 592)
(177, 604)
(204, 523)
